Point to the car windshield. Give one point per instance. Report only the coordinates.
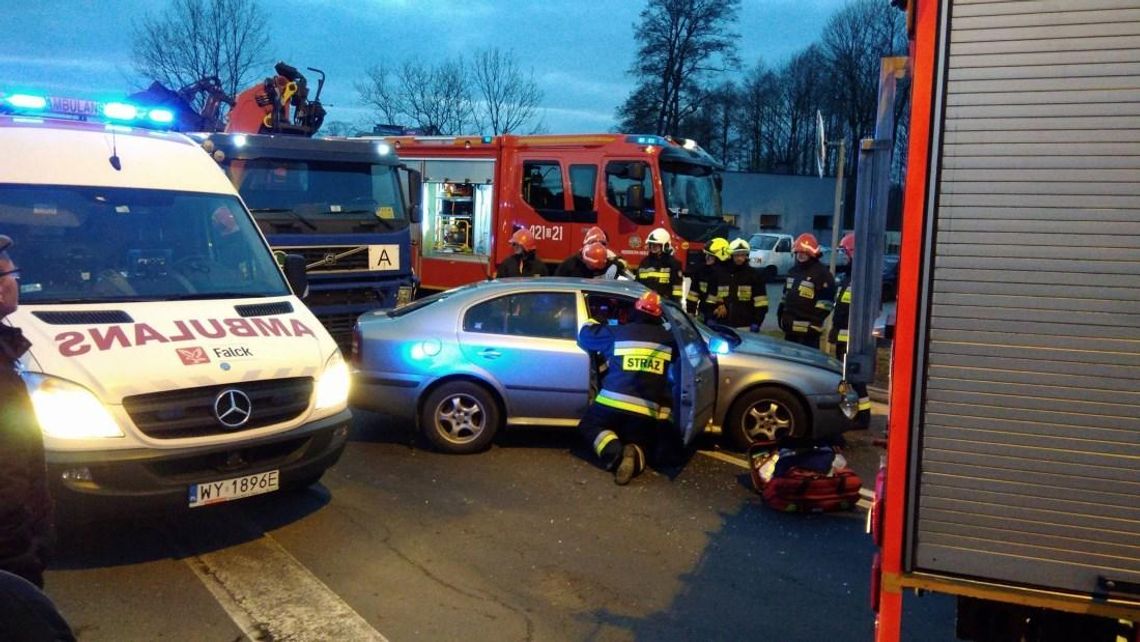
(763, 241)
(691, 190)
(420, 304)
(100, 244)
(323, 193)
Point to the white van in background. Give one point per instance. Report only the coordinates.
(171, 364)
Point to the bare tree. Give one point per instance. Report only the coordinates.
(434, 99)
(196, 39)
(760, 122)
(509, 98)
(681, 43)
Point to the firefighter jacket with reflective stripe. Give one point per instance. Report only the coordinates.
(575, 266)
(662, 274)
(841, 315)
(742, 290)
(700, 287)
(638, 358)
(808, 294)
(525, 264)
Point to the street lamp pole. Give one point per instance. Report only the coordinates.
(837, 216)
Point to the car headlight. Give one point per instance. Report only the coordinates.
(849, 399)
(333, 384)
(67, 410)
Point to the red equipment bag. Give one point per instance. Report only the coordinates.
(798, 489)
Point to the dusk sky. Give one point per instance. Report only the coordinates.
(579, 50)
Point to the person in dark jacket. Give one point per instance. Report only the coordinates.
(697, 301)
(25, 506)
(659, 270)
(808, 294)
(635, 403)
(840, 321)
(592, 262)
(741, 292)
(523, 262)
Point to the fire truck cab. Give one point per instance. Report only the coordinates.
(478, 190)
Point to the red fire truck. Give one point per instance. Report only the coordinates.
(478, 190)
(1013, 471)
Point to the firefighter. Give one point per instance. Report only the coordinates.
(660, 271)
(839, 325)
(635, 403)
(741, 293)
(523, 262)
(808, 294)
(593, 261)
(716, 252)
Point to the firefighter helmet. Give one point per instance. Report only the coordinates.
(594, 255)
(807, 244)
(739, 246)
(524, 238)
(649, 303)
(847, 244)
(718, 248)
(595, 235)
(660, 236)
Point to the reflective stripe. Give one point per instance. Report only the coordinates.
(864, 403)
(823, 305)
(846, 296)
(632, 404)
(842, 337)
(677, 291)
(603, 438)
(799, 326)
(761, 301)
(692, 296)
(643, 349)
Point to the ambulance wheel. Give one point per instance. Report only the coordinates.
(460, 417)
(766, 413)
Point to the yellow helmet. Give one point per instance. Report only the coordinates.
(718, 248)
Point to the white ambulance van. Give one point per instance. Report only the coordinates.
(171, 364)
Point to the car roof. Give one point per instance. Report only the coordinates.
(609, 286)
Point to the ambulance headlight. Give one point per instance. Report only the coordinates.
(66, 410)
(332, 386)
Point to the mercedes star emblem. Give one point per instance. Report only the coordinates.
(232, 407)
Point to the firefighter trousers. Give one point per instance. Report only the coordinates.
(607, 429)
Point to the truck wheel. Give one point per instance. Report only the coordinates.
(766, 413)
(460, 417)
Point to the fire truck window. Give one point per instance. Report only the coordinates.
(542, 185)
(629, 189)
(582, 185)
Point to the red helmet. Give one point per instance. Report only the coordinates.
(847, 243)
(523, 237)
(807, 244)
(649, 303)
(595, 255)
(596, 235)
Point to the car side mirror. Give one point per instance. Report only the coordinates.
(414, 195)
(294, 267)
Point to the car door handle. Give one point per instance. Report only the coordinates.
(490, 353)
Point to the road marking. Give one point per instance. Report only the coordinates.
(866, 496)
(270, 595)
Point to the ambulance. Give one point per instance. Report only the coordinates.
(172, 365)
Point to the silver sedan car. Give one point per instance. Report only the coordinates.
(467, 362)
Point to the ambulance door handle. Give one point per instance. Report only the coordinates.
(490, 353)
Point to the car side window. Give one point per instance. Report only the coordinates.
(784, 245)
(547, 315)
(607, 308)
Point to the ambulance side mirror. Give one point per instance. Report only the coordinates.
(294, 268)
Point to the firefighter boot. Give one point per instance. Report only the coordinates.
(631, 465)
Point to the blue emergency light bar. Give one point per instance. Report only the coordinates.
(79, 109)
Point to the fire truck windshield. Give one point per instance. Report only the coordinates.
(691, 190)
(101, 244)
(321, 194)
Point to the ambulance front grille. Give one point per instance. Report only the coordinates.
(189, 412)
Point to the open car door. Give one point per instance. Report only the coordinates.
(694, 391)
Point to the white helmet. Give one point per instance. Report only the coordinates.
(661, 237)
(739, 245)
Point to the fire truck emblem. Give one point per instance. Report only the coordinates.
(635, 241)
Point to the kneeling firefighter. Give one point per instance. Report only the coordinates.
(635, 403)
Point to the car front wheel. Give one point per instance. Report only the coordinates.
(460, 417)
(766, 413)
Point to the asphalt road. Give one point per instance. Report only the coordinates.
(527, 541)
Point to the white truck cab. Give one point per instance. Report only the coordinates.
(171, 363)
(771, 254)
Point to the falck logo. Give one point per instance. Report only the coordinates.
(232, 407)
(193, 356)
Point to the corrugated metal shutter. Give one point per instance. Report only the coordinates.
(1030, 423)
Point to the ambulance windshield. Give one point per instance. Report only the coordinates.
(99, 244)
(691, 190)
